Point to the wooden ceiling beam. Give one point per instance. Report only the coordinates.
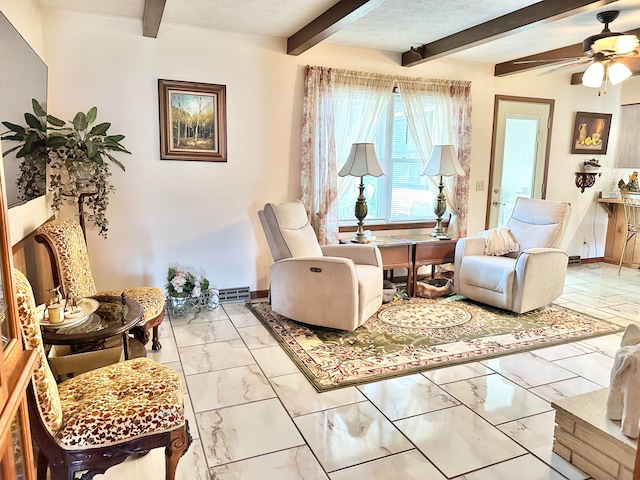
(554, 57)
(537, 14)
(152, 16)
(343, 13)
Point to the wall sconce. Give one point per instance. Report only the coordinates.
(586, 180)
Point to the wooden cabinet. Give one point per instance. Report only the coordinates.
(616, 231)
(16, 367)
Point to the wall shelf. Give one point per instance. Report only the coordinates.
(585, 180)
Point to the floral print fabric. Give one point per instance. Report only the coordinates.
(101, 407)
(44, 383)
(119, 402)
(65, 238)
(151, 299)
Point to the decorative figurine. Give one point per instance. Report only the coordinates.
(57, 296)
(632, 186)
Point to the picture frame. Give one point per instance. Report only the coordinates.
(591, 133)
(193, 123)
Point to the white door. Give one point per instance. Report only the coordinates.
(522, 129)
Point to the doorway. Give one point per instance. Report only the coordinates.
(519, 154)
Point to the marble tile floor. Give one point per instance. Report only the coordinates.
(253, 415)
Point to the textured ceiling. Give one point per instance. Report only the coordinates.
(394, 26)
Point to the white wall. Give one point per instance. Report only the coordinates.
(24, 15)
(204, 214)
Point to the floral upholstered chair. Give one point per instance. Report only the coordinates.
(67, 249)
(99, 418)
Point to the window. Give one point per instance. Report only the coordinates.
(402, 195)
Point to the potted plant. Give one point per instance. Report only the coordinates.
(77, 154)
(79, 157)
(32, 149)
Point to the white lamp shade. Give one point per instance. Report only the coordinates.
(443, 161)
(593, 75)
(618, 72)
(362, 160)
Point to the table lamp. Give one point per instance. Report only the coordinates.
(362, 160)
(443, 162)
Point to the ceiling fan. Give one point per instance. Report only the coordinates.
(601, 51)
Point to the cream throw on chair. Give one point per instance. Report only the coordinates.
(334, 286)
(525, 279)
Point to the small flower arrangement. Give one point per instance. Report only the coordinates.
(592, 162)
(183, 284)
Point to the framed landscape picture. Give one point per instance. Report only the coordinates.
(591, 133)
(193, 122)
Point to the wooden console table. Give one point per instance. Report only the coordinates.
(616, 230)
(397, 253)
(428, 250)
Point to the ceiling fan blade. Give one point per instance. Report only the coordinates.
(566, 65)
(548, 60)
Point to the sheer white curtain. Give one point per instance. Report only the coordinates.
(360, 99)
(340, 107)
(433, 110)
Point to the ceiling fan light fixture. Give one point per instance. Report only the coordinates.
(593, 75)
(618, 73)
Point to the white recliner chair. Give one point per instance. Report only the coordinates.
(334, 286)
(523, 280)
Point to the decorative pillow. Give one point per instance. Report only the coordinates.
(498, 241)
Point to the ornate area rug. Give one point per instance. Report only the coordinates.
(407, 336)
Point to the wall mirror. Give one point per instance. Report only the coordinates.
(23, 76)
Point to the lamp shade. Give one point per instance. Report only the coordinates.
(443, 161)
(593, 75)
(618, 72)
(362, 160)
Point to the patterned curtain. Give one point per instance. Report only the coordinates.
(461, 129)
(342, 107)
(319, 171)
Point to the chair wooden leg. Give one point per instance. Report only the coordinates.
(179, 442)
(43, 463)
(155, 343)
(624, 249)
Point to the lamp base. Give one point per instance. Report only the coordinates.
(439, 208)
(357, 238)
(361, 211)
(438, 231)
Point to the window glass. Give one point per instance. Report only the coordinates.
(402, 194)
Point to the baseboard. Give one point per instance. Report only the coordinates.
(255, 295)
(592, 260)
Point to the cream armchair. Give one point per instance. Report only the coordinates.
(334, 286)
(523, 280)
